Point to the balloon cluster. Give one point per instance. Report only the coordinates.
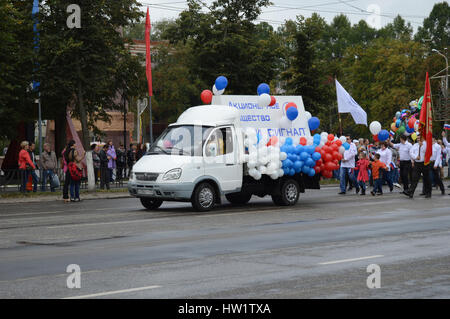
(404, 123)
(264, 156)
(265, 99)
(218, 88)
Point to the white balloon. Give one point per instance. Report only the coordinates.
(257, 176)
(322, 143)
(309, 140)
(252, 172)
(253, 157)
(264, 100)
(280, 172)
(262, 169)
(262, 151)
(217, 92)
(282, 139)
(307, 115)
(274, 175)
(280, 163)
(343, 139)
(246, 157)
(272, 166)
(341, 149)
(375, 127)
(284, 122)
(246, 142)
(252, 164)
(283, 156)
(323, 134)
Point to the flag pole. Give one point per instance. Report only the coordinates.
(151, 120)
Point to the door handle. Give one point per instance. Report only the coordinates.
(229, 164)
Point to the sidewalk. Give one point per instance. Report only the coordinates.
(49, 197)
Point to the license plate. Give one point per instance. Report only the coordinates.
(145, 191)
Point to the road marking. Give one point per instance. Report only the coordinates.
(349, 260)
(113, 292)
(109, 223)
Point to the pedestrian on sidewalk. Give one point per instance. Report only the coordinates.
(104, 172)
(95, 161)
(131, 158)
(112, 157)
(363, 175)
(377, 172)
(74, 157)
(67, 177)
(25, 165)
(121, 162)
(48, 164)
(33, 171)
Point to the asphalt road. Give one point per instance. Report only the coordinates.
(320, 248)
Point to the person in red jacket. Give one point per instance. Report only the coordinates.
(25, 165)
(363, 174)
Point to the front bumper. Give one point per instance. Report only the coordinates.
(167, 192)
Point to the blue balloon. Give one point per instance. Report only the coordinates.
(311, 172)
(284, 148)
(291, 149)
(299, 149)
(305, 169)
(297, 165)
(286, 170)
(258, 137)
(292, 113)
(316, 156)
(289, 163)
(292, 157)
(346, 145)
(310, 149)
(383, 135)
(309, 162)
(304, 156)
(313, 123)
(288, 141)
(302, 163)
(397, 123)
(221, 83)
(298, 170)
(409, 129)
(397, 115)
(262, 88)
(291, 172)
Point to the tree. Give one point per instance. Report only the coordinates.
(436, 27)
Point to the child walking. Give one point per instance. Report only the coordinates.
(363, 175)
(377, 165)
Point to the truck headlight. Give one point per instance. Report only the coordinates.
(172, 174)
(132, 176)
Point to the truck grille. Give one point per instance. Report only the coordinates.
(149, 177)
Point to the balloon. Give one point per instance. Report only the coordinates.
(328, 157)
(273, 141)
(283, 156)
(206, 96)
(398, 122)
(410, 130)
(304, 156)
(307, 115)
(272, 101)
(221, 83)
(316, 156)
(290, 104)
(375, 138)
(330, 137)
(420, 103)
(393, 127)
(313, 123)
(397, 115)
(411, 122)
(288, 141)
(264, 100)
(216, 91)
(401, 130)
(414, 136)
(383, 135)
(292, 113)
(329, 166)
(347, 146)
(263, 88)
(317, 169)
(375, 127)
(298, 165)
(303, 140)
(338, 143)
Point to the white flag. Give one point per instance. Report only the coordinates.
(346, 104)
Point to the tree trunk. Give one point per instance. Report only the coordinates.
(85, 133)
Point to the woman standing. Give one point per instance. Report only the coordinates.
(74, 157)
(25, 165)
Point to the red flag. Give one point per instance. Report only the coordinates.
(426, 120)
(148, 59)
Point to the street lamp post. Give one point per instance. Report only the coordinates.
(446, 70)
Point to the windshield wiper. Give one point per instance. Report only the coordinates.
(163, 150)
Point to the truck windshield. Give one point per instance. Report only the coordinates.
(185, 140)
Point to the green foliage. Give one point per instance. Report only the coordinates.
(436, 27)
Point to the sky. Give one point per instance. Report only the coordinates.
(377, 13)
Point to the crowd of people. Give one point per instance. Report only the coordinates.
(393, 164)
(109, 164)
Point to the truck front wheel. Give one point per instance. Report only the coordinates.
(151, 203)
(238, 198)
(289, 194)
(204, 197)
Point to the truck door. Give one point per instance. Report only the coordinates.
(221, 158)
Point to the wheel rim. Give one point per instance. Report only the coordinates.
(291, 192)
(206, 197)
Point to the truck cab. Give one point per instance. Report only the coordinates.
(201, 158)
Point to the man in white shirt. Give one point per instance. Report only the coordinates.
(417, 154)
(447, 146)
(347, 165)
(405, 160)
(386, 158)
(435, 160)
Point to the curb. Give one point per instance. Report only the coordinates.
(59, 198)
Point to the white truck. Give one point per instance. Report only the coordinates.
(202, 156)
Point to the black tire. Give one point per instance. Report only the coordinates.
(289, 194)
(151, 203)
(238, 198)
(204, 197)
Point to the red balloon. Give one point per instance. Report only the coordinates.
(206, 96)
(303, 140)
(411, 122)
(375, 138)
(273, 141)
(335, 155)
(328, 143)
(328, 157)
(289, 105)
(335, 147)
(317, 149)
(319, 162)
(326, 149)
(272, 100)
(317, 169)
(327, 174)
(330, 137)
(338, 143)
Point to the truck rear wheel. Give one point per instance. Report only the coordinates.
(289, 194)
(238, 198)
(151, 203)
(204, 197)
